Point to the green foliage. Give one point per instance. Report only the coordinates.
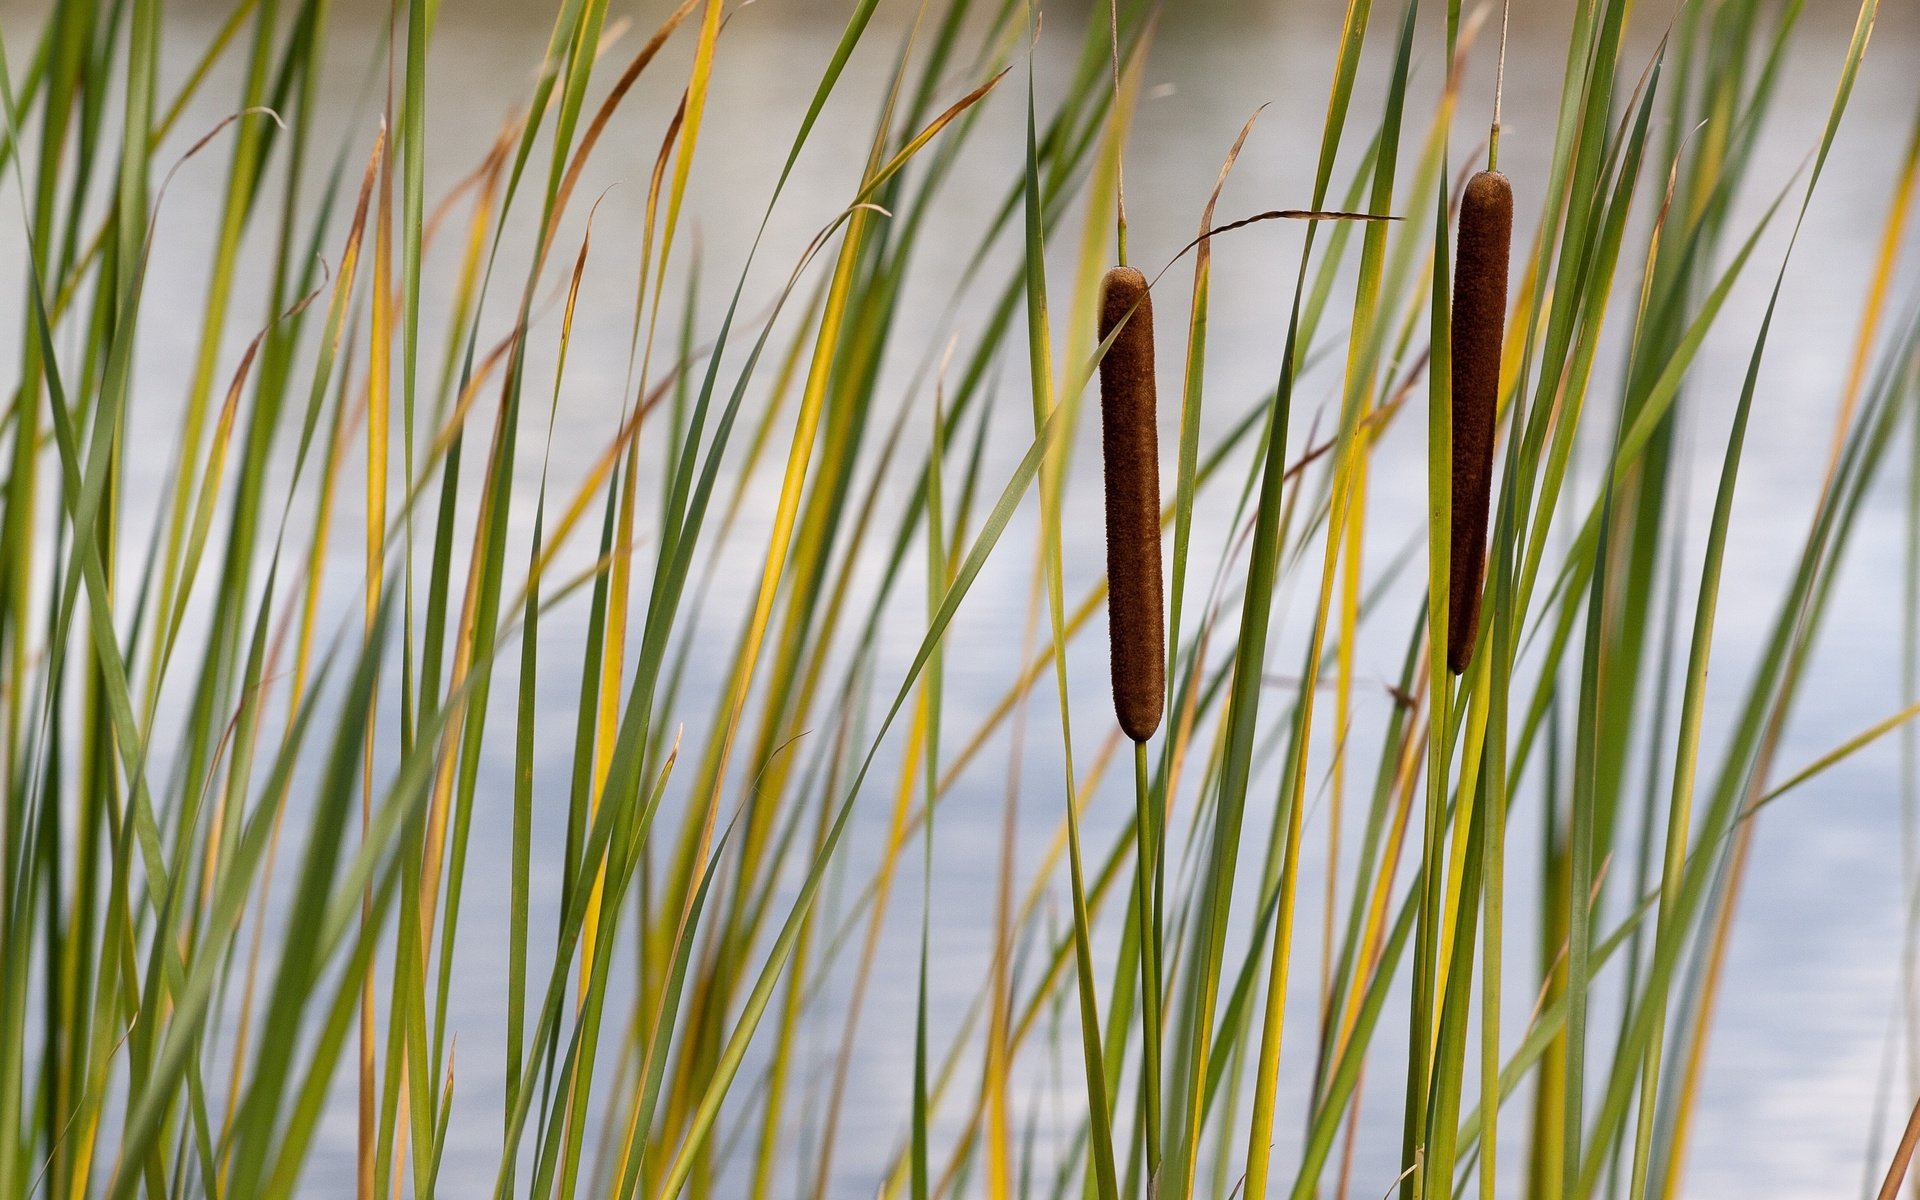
(239, 819)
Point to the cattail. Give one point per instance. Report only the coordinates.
(1479, 317)
(1130, 441)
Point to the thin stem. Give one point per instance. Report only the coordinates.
(1120, 148)
(1499, 87)
(1146, 838)
(1902, 1156)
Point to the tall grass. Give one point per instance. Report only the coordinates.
(253, 749)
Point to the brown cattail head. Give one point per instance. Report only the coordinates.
(1130, 439)
(1479, 318)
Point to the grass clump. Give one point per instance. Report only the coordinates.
(431, 674)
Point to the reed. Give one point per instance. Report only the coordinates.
(1479, 319)
(1130, 444)
(683, 881)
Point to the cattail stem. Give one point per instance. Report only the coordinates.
(1120, 150)
(1479, 320)
(1130, 441)
(1499, 90)
(1131, 444)
(1146, 899)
